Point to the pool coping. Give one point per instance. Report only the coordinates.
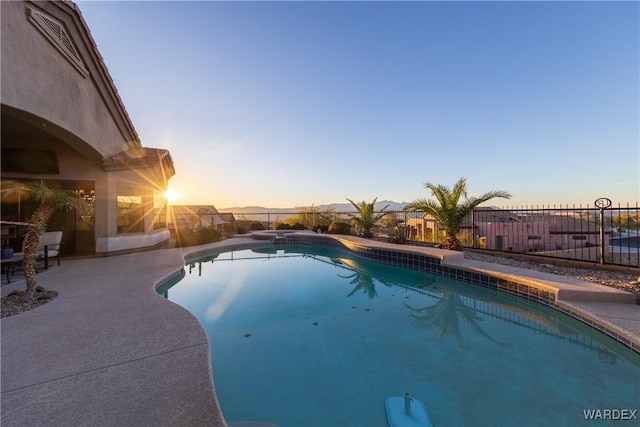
(92, 357)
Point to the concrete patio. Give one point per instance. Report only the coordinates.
(108, 351)
(111, 351)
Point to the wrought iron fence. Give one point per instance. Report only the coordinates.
(584, 233)
(608, 236)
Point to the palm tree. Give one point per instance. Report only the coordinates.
(51, 199)
(448, 210)
(366, 217)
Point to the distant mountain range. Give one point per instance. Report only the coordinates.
(338, 207)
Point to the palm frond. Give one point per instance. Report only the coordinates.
(50, 199)
(11, 190)
(446, 207)
(366, 217)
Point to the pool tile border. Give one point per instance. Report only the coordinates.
(408, 258)
(610, 330)
(431, 264)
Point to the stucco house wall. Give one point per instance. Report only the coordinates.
(40, 82)
(57, 95)
(515, 236)
(533, 234)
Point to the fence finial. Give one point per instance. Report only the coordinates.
(602, 203)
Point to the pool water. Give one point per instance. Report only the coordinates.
(311, 336)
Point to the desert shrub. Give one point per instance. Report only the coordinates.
(399, 236)
(185, 237)
(283, 226)
(297, 226)
(310, 215)
(256, 226)
(244, 225)
(339, 227)
(323, 228)
(196, 236)
(208, 235)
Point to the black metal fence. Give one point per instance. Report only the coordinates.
(607, 236)
(600, 235)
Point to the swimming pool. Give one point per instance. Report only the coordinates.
(315, 336)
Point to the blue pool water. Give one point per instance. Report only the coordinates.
(310, 336)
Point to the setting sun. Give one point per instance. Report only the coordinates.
(170, 195)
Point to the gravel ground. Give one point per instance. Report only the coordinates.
(14, 304)
(624, 280)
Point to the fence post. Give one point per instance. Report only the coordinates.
(473, 228)
(602, 204)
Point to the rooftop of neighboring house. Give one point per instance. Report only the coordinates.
(197, 215)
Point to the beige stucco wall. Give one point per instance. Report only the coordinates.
(37, 78)
(51, 104)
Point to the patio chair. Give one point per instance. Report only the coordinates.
(49, 246)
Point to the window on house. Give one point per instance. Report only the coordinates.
(159, 210)
(130, 212)
(29, 161)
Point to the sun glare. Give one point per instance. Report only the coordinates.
(170, 195)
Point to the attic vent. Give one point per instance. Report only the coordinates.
(57, 34)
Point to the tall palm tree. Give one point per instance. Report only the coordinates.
(447, 209)
(366, 217)
(51, 199)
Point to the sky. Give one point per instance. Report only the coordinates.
(289, 104)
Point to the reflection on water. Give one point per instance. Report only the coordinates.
(444, 318)
(305, 322)
(360, 279)
(453, 309)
